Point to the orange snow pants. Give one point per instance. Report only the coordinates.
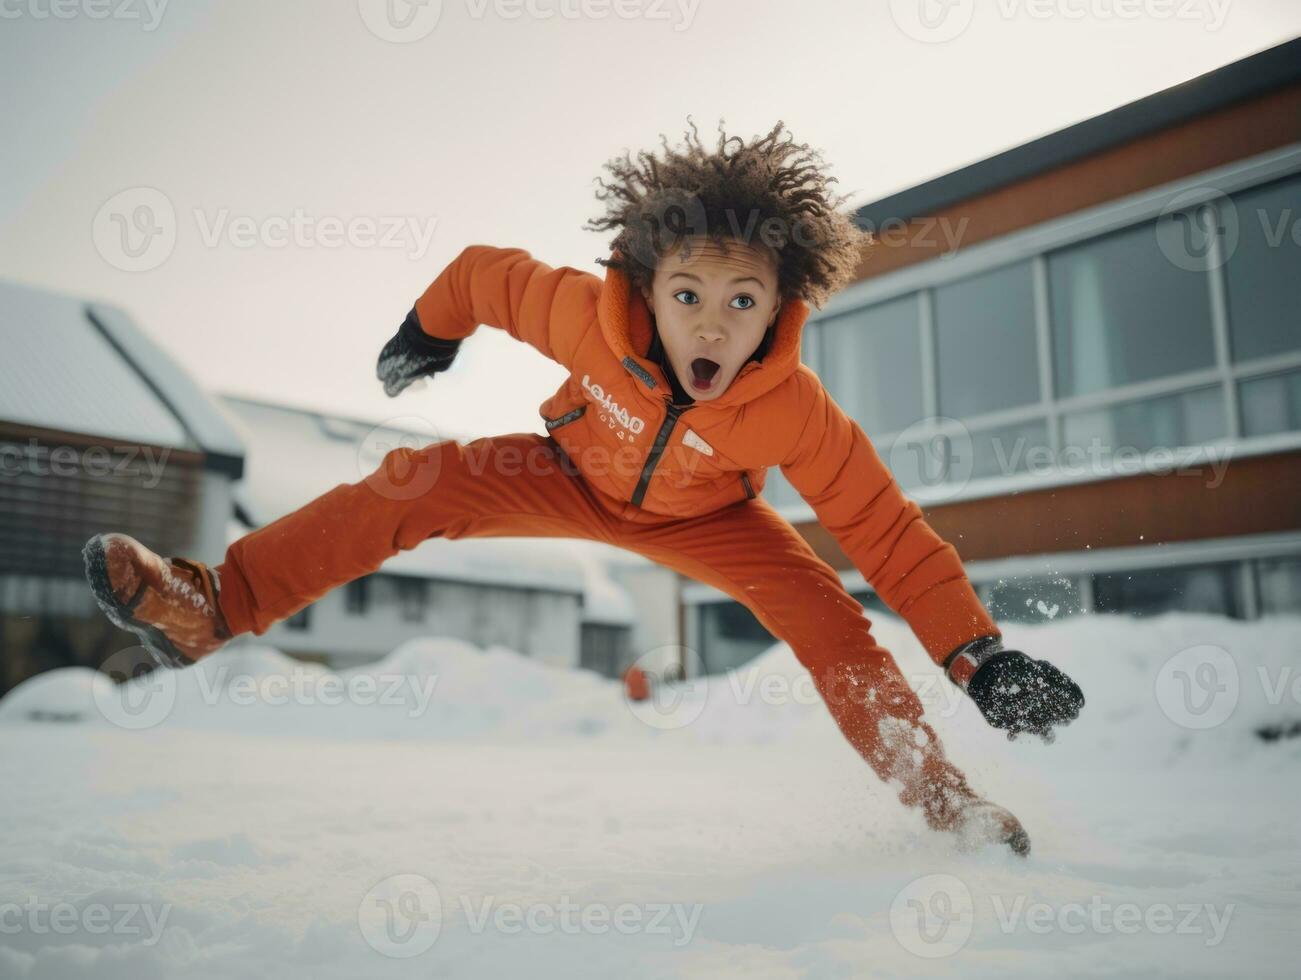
(524, 485)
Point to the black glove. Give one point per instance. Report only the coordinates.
(1011, 690)
(410, 354)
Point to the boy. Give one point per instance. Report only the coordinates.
(685, 385)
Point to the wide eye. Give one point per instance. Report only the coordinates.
(748, 299)
(684, 292)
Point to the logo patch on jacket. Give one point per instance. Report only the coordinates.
(614, 412)
(695, 442)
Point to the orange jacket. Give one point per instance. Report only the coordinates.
(613, 418)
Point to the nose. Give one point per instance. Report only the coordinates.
(710, 333)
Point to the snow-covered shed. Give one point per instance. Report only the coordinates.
(100, 430)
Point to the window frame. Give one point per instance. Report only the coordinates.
(1033, 245)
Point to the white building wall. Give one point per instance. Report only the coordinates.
(656, 594)
(216, 492)
(538, 624)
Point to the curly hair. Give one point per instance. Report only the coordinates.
(769, 193)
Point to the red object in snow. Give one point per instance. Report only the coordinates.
(636, 684)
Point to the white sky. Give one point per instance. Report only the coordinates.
(493, 128)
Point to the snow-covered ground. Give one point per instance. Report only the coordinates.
(451, 812)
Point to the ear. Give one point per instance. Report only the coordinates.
(650, 300)
(776, 312)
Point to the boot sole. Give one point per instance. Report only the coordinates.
(1019, 842)
(151, 637)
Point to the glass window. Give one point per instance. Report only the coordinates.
(1280, 585)
(1189, 418)
(1123, 312)
(1033, 599)
(1264, 289)
(1270, 404)
(872, 603)
(872, 364)
(730, 636)
(777, 490)
(411, 596)
(357, 596)
(300, 620)
(935, 459)
(605, 648)
(1149, 591)
(985, 346)
(1010, 449)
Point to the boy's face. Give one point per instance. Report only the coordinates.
(711, 310)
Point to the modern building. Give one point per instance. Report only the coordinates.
(1082, 357)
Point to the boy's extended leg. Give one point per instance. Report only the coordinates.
(753, 554)
(509, 485)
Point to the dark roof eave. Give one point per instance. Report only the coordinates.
(1253, 76)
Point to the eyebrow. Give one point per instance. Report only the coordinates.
(738, 279)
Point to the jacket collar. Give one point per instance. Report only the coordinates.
(626, 323)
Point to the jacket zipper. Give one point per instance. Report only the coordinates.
(749, 490)
(657, 449)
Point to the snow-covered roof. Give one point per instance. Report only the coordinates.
(84, 368)
(296, 455)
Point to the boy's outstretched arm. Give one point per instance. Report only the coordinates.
(838, 471)
(548, 308)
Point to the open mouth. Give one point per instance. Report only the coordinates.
(704, 373)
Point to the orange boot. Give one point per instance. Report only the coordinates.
(170, 603)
